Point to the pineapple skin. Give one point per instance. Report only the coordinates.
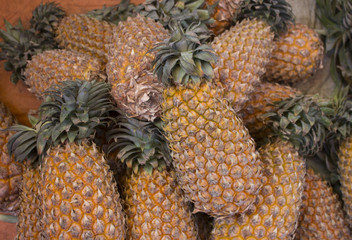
(10, 170)
(214, 156)
(29, 225)
(261, 102)
(85, 34)
(223, 14)
(276, 210)
(345, 172)
(297, 55)
(244, 51)
(156, 208)
(322, 217)
(79, 196)
(55, 66)
(135, 88)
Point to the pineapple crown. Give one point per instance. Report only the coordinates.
(184, 11)
(336, 17)
(45, 19)
(184, 57)
(277, 13)
(18, 46)
(340, 129)
(138, 144)
(71, 111)
(302, 120)
(114, 14)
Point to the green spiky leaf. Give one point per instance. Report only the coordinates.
(139, 144)
(277, 13)
(184, 57)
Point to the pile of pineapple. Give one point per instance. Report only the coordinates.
(175, 120)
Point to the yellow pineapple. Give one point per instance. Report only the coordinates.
(245, 49)
(85, 34)
(322, 217)
(29, 224)
(261, 102)
(155, 205)
(124, 49)
(345, 172)
(297, 55)
(79, 198)
(136, 90)
(276, 210)
(213, 154)
(10, 170)
(54, 66)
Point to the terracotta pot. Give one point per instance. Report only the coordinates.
(17, 97)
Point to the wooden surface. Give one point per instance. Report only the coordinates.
(7, 230)
(16, 97)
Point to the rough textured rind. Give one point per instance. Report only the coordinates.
(213, 154)
(136, 90)
(244, 51)
(29, 219)
(79, 196)
(261, 102)
(297, 55)
(276, 210)
(321, 217)
(10, 170)
(223, 14)
(345, 172)
(85, 34)
(55, 66)
(156, 208)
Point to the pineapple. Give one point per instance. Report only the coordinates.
(54, 66)
(297, 55)
(217, 15)
(21, 44)
(276, 210)
(136, 90)
(18, 47)
(321, 217)
(244, 50)
(44, 22)
(345, 170)
(304, 121)
(183, 11)
(155, 205)
(224, 12)
(86, 35)
(10, 170)
(213, 154)
(79, 198)
(29, 225)
(260, 102)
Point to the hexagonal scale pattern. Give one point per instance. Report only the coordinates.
(79, 196)
(276, 210)
(156, 208)
(215, 158)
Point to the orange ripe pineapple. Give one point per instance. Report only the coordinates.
(322, 216)
(297, 55)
